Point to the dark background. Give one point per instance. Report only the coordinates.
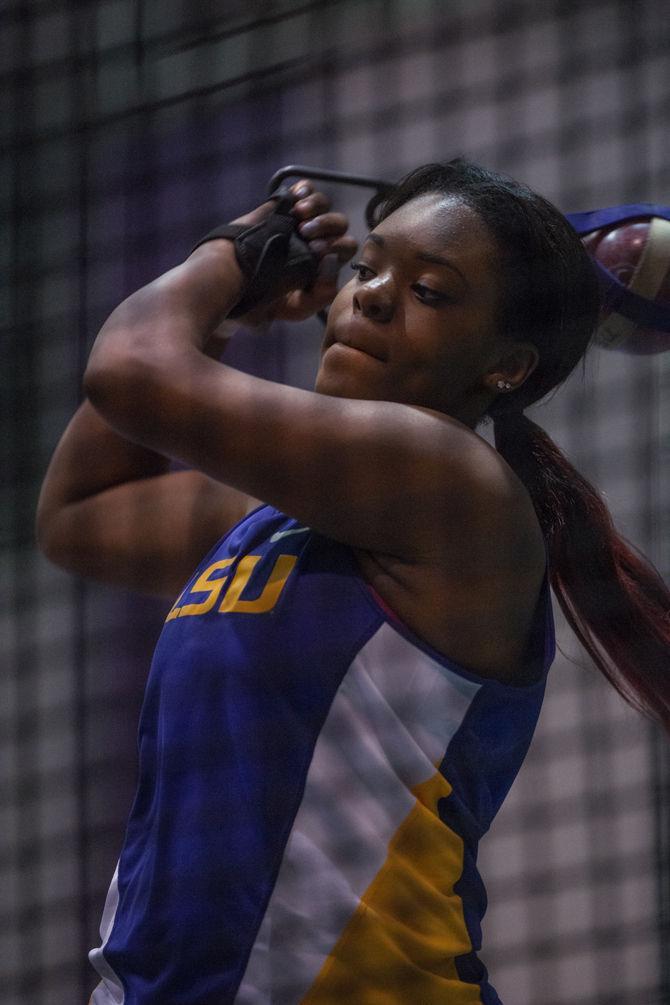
(132, 128)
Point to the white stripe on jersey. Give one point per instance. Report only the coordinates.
(390, 723)
(110, 988)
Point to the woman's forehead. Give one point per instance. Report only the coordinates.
(434, 221)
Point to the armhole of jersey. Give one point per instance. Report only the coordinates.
(540, 650)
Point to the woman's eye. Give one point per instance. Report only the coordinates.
(428, 296)
(364, 271)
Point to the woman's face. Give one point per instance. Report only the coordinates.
(417, 323)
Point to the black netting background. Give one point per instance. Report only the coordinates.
(131, 127)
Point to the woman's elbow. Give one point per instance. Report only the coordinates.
(108, 378)
(52, 538)
(124, 389)
(118, 357)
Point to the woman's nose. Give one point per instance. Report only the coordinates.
(375, 300)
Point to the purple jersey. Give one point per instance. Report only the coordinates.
(314, 780)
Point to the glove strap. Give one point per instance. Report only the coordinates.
(272, 256)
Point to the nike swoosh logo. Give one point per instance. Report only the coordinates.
(278, 535)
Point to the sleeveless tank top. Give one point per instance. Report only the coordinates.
(313, 783)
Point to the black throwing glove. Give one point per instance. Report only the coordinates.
(272, 256)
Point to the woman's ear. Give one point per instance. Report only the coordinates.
(513, 368)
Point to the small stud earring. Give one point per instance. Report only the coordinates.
(503, 385)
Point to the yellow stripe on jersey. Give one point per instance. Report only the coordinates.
(399, 947)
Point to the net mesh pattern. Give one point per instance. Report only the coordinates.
(136, 126)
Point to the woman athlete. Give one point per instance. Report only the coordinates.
(346, 686)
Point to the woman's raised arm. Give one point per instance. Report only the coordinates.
(113, 511)
(381, 475)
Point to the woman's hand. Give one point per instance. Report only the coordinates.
(326, 234)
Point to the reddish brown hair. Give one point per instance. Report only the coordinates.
(614, 600)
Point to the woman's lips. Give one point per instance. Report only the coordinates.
(348, 348)
(363, 341)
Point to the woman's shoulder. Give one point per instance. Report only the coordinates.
(472, 591)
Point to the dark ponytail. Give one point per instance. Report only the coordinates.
(614, 600)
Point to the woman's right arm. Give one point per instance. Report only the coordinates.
(113, 511)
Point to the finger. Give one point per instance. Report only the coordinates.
(325, 225)
(313, 205)
(344, 247)
(329, 267)
(300, 304)
(302, 188)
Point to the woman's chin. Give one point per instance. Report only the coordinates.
(334, 385)
(349, 373)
